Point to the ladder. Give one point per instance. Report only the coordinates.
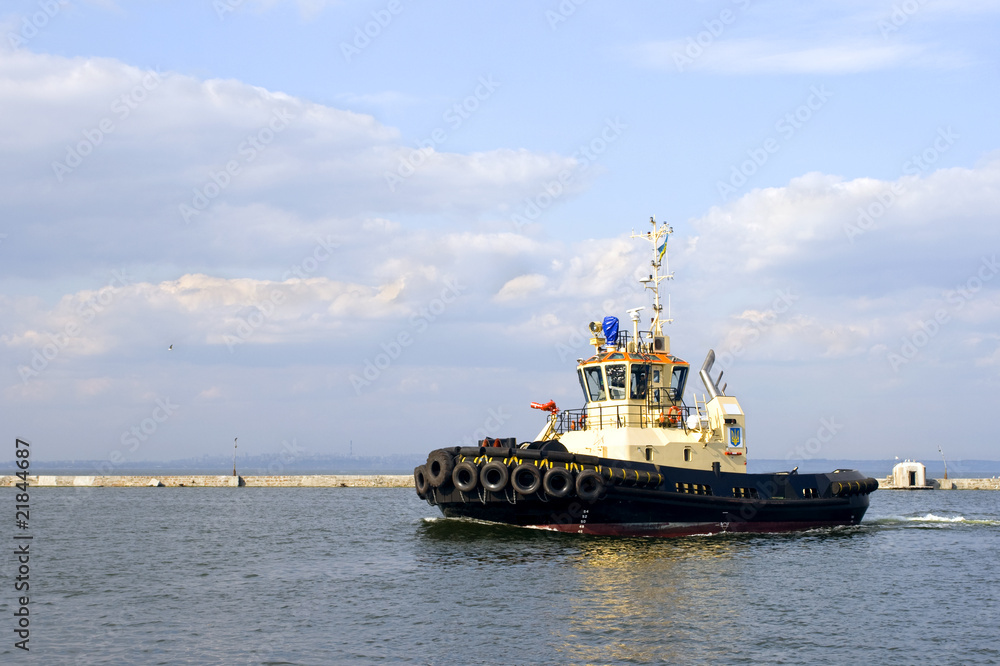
(700, 407)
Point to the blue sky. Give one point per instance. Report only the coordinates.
(290, 193)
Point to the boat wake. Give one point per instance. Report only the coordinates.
(443, 520)
(933, 519)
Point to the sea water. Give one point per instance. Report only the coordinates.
(349, 575)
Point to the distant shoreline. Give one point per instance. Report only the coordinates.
(402, 465)
(335, 481)
(216, 481)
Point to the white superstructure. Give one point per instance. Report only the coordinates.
(634, 390)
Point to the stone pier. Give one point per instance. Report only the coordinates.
(220, 481)
(944, 484)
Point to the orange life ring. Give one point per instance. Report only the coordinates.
(674, 415)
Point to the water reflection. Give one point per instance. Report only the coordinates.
(650, 600)
(645, 600)
(480, 543)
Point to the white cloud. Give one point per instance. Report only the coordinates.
(817, 38)
(917, 291)
(358, 265)
(520, 287)
(308, 9)
(211, 393)
(168, 164)
(744, 56)
(821, 220)
(144, 318)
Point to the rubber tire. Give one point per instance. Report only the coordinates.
(548, 445)
(589, 485)
(420, 481)
(494, 476)
(558, 482)
(533, 475)
(440, 463)
(465, 476)
(553, 445)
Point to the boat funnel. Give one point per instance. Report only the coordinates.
(711, 386)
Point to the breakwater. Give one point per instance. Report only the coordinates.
(339, 481)
(945, 484)
(219, 481)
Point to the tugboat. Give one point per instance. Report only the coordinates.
(637, 460)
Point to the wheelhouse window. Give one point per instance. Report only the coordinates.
(677, 381)
(640, 381)
(659, 391)
(616, 381)
(592, 380)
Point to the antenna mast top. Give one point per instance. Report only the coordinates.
(658, 238)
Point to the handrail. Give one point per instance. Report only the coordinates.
(617, 416)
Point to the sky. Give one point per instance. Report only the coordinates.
(382, 227)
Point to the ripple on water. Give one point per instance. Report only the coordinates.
(327, 575)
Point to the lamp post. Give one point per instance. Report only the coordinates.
(234, 455)
(945, 463)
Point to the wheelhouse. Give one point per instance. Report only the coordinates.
(636, 389)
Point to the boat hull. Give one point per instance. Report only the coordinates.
(642, 499)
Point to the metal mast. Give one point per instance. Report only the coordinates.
(658, 238)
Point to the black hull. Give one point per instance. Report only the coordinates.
(642, 499)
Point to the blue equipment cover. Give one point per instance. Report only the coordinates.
(610, 325)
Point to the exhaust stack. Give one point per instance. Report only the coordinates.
(711, 386)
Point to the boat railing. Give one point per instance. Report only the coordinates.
(624, 342)
(621, 416)
(624, 337)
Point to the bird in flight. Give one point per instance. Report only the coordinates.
(170, 348)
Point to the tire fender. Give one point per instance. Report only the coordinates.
(494, 476)
(526, 479)
(465, 476)
(558, 482)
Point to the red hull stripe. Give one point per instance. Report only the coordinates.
(681, 529)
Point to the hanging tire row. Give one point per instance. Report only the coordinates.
(848, 488)
(498, 473)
